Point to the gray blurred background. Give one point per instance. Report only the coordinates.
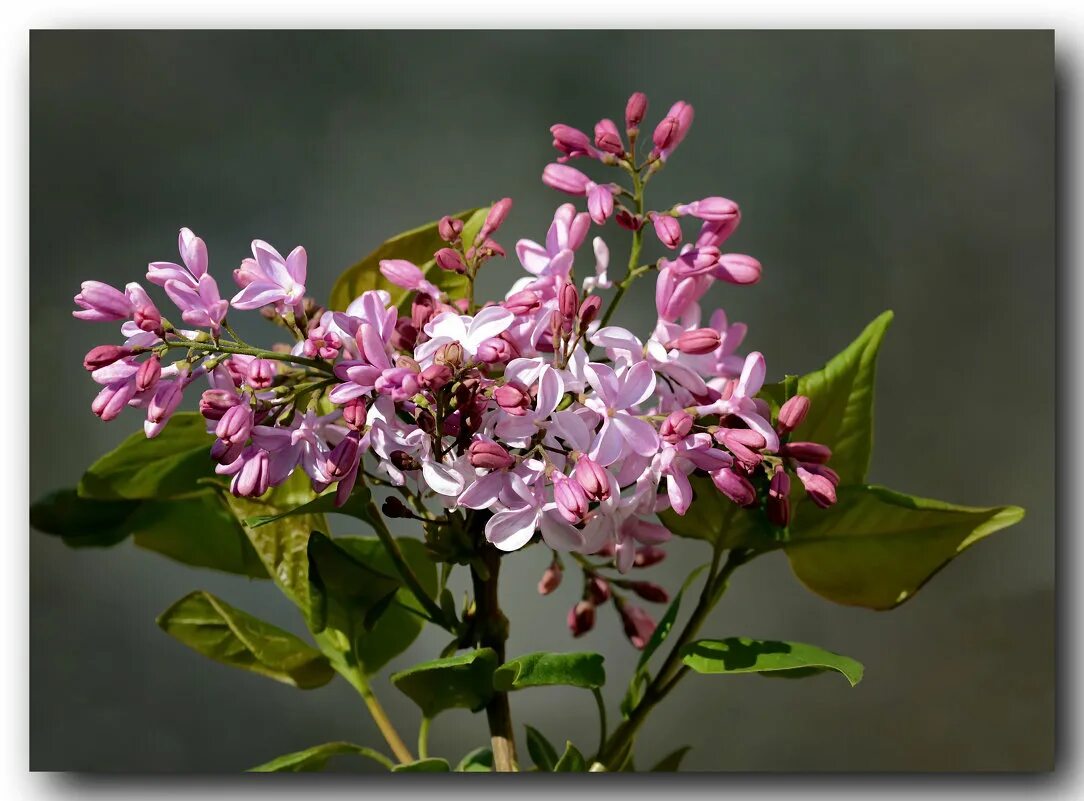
(912, 171)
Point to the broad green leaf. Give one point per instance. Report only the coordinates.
(480, 760)
(315, 758)
(357, 505)
(743, 655)
(671, 763)
(714, 517)
(418, 246)
(841, 413)
(542, 668)
(457, 681)
(219, 631)
(543, 754)
(82, 522)
(875, 548)
(571, 760)
(346, 594)
(168, 466)
(199, 530)
(398, 627)
(431, 765)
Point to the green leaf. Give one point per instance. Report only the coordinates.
(168, 466)
(398, 627)
(219, 631)
(542, 668)
(671, 763)
(82, 522)
(431, 765)
(418, 246)
(571, 760)
(357, 505)
(346, 594)
(480, 760)
(841, 411)
(315, 758)
(713, 517)
(543, 754)
(875, 547)
(457, 681)
(743, 655)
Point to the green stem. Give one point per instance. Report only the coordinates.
(492, 633)
(601, 718)
(379, 716)
(228, 347)
(423, 738)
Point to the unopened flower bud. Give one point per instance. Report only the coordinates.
(696, 342)
(254, 477)
(819, 489)
(523, 302)
(571, 141)
(435, 376)
(449, 228)
(628, 221)
(235, 425)
(581, 618)
(404, 461)
(597, 590)
(393, 508)
(450, 260)
(649, 591)
(551, 579)
(404, 336)
(807, 452)
(149, 373)
(734, 486)
(214, 403)
(422, 310)
(779, 498)
(344, 457)
(607, 138)
(571, 500)
(589, 310)
(593, 478)
(496, 350)
(104, 355)
(792, 413)
(513, 399)
(676, 426)
(736, 268)
(167, 397)
(647, 555)
(260, 374)
(568, 300)
(226, 452)
(488, 455)
(635, 110)
(498, 212)
(667, 229)
(450, 355)
(665, 133)
(355, 414)
(637, 623)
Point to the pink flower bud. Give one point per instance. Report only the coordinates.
(607, 138)
(665, 133)
(111, 401)
(637, 623)
(523, 302)
(435, 376)
(669, 133)
(450, 355)
(581, 618)
(823, 470)
(355, 414)
(792, 413)
(649, 591)
(600, 202)
(149, 373)
(734, 486)
(449, 228)
(571, 500)
(571, 141)
(676, 426)
(102, 303)
(667, 229)
(779, 498)
(450, 260)
(167, 397)
(807, 452)
(403, 337)
(744, 436)
(635, 110)
(568, 300)
(715, 209)
(819, 489)
(344, 457)
(104, 355)
(235, 425)
(512, 399)
(593, 478)
(734, 268)
(260, 373)
(498, 212)
(422, 310)
(226, 452)
(214, 403)
(697, 261)
(144, 313)
(253, 479)
(696, 342)
(565, 179)
(488, 455)
(551, 579)
(597, 590)
(647, 555)
(496, 351)
(589, 310)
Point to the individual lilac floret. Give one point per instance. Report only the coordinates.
(270, 279)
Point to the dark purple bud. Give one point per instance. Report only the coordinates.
(734, 486)
(628, 221)
(149, 373)
(589, 310)
(404, 461)
(635, 110)
(405, 334)
(637, 623)
(104, 355)
(647, 555)
(807, 452)
(344, 457)
(608, 138)
(597, 590)
(551, 579)
(581, 618)
(355, 414)
(779, 498)
(792, 413)
(593, 478)
(649, 591)
(449, 228)
(216, 402)
(676, 426)
(696, 342)
(450, 260)
(488, 455)
(394, 508)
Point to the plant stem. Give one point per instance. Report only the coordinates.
(493, 632)
(227, 347)
(423, 738)
(380, 717)
(616, 749)
(401, 565)
(601, 718)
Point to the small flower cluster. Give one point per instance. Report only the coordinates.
(534, 408)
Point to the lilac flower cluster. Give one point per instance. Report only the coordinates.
(535, 408)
